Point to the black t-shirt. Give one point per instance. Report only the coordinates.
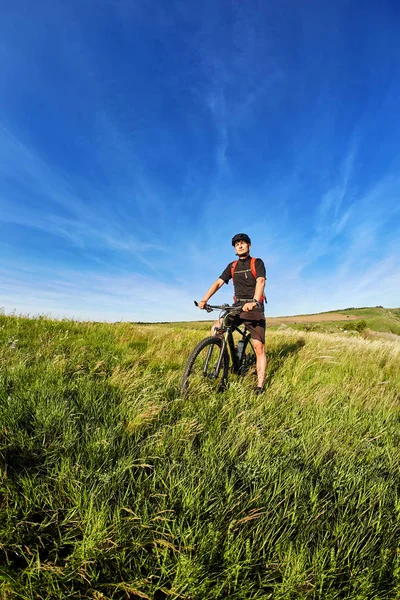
(245, 282)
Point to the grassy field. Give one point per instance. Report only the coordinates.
(112, 486)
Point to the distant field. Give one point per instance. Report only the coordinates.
(321, 318)
(373, 319)
(112, 486)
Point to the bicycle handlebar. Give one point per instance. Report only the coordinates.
(227, 307)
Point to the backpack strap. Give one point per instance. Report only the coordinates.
(253, 267)
(233, 267)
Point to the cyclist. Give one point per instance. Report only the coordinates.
(249, 294)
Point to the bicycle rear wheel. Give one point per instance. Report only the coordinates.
(201, 373)
(249, 358)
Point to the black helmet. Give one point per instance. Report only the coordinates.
(240, 237)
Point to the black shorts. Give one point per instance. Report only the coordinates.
(256, 326)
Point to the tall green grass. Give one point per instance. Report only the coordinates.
(112, 486)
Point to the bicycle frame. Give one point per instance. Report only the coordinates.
(227, 342)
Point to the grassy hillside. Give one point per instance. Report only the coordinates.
(376, 319)
(112, 486)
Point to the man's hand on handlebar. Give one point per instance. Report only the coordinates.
(249, 306)
(203, 305)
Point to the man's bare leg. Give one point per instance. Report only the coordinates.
(217, 325)
(261, 362)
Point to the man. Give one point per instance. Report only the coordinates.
(249, 293)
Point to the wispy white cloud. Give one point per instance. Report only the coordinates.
(129, 297)
(239, 73)
(360, 252)
(374, 286)
(36, 192)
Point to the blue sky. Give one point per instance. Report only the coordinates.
(136, 137)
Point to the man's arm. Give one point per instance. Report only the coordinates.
(259, 291)
(210, 292)
(258, 294)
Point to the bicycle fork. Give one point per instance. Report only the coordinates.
(219, 361)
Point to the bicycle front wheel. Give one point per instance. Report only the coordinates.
(206, 369)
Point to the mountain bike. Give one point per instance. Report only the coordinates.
(212, 359)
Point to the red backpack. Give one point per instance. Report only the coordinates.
(252, 269)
